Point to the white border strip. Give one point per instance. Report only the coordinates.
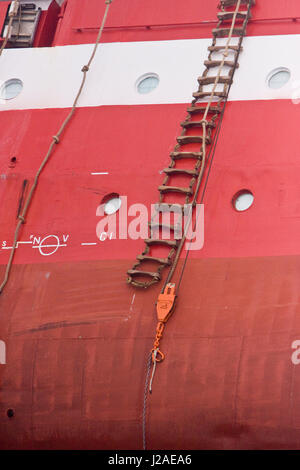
(51, 76)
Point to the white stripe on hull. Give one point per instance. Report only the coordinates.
(51, 76)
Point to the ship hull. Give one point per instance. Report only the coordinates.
(75, 338)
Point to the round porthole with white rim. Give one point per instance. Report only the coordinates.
(112, 203)
(278, 78)
(147, 83)
(11, 89)
(243, 200)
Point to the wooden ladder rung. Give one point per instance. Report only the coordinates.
(224, 32)
(175, 189)
(192, 139)
(231, 3)
(228, 15)
(180, 171)
(220, 48)
(164, 261)
(202, 109)
(203, 94)
(161, 225)
(211, 80)
(163, 207)
(158, 241)
(183, 155)
(137, 272)
(192, 124)
(217, 63)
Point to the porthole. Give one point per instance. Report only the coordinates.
(11, 89)
(112, 203)
(243, 200)
(147, 83)
(278, 77)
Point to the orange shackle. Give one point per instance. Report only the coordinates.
(165, 303)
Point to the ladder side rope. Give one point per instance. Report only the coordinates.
(225, 54)
(55, 141)
(215, 140)
(204, 128)
(13, 11)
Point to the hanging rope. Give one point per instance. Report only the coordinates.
(55, 141)
(146, 391)
(213, 148)
(13, 11)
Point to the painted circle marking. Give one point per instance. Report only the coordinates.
(54, 246)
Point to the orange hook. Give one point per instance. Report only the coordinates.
(164, 307)
(157, 355)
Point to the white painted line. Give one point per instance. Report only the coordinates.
(88, 243)
(18, 243)
(48, 246)
(100, 173)
(131, 305)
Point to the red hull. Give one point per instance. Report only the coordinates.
(77, 336)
